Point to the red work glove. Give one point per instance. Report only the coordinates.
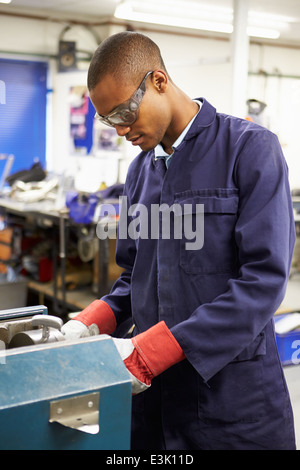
(100, 314)
(96, 318)
(149, 354)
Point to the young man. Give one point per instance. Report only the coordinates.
(202, 298)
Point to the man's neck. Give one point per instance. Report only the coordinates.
(184, 111)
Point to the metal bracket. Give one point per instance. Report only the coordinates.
(80, 412)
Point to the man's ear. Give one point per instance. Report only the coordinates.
(160, 80)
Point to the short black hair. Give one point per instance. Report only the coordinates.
(127, 56)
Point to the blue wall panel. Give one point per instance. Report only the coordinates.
(23, 91)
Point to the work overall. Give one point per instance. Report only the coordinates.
(217, 293)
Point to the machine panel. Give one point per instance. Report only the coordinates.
(53, 394)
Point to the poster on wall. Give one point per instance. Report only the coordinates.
(105, 139)
(81, 121)
(87, 135)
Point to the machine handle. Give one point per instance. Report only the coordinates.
(46, 321)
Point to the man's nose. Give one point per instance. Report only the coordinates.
(122, 130)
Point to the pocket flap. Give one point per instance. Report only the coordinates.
(219, 201)
(256, 348)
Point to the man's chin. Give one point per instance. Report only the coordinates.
(144, 144)
(147, 146)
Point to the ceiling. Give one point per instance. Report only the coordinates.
(95, 10)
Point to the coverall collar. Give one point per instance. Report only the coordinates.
(202, 119)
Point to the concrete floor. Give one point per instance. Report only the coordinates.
(292, 373)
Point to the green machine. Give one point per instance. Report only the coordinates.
(57, 394)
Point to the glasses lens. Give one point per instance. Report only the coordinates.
(123, 118)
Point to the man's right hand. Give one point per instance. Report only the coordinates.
(75, 329)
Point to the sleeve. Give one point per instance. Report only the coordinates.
(119, 298)
(264, 235)
(112, 313)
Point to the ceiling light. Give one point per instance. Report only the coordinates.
(266, 33)
(269, 20)
(124, 11)
(190, 14)
(172, 14)
(5, 1)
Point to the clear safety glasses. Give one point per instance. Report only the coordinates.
(126, 113)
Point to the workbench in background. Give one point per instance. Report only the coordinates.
(73, 284)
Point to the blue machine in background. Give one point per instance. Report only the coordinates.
(23, 103)
(57, 394)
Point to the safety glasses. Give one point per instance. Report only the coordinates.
(126, 113)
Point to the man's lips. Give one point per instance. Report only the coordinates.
(136, 140)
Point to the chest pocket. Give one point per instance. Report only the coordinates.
(217, 254)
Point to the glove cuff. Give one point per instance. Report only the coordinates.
(99, 313)
(158, 348)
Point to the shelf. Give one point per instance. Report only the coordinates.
(77, 299)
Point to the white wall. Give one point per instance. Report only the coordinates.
(199, 66)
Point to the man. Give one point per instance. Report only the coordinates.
(203, 358)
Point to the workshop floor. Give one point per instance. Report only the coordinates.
(292, 373)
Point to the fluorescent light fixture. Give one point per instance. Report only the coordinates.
(190, 14)
(182, 22)
(267, 25)
(5, 1)
(254, 31)
(173, 14)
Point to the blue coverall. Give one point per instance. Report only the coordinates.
(218, 301)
